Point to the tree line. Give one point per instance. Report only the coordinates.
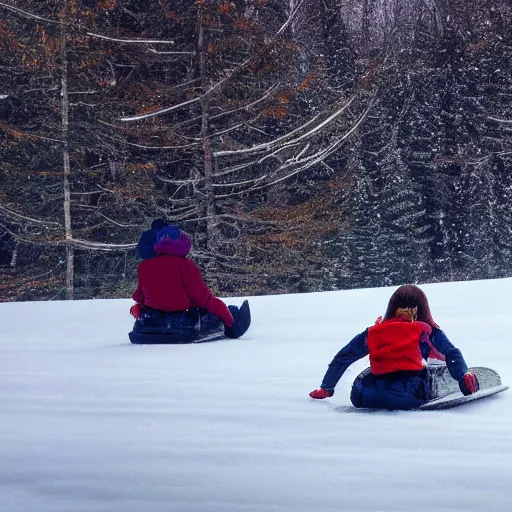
(305, 145)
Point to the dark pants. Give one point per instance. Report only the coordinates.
(394, 391)
(185, 325)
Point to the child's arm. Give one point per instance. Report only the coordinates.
(355, 350)
(453, 356)
(138, 297)
(138, 294)
(202, 296)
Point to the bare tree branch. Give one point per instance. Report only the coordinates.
(118, 223)
(152, 50)
(249, 105)
(192, 144)
(129, 41)
(283, 138)
(498, 120)
(159, 112)
(229, 75)
(23, 217)
(28, 14)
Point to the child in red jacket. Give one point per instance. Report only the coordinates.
(171, 295)
(398, 346)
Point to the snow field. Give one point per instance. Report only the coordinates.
(91, 423)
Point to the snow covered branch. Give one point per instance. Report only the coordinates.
(295, 165)
(84, 244)
(240, 183)
(129, 41)
(231, 74)
(118, 223)
(29, 219)
(159, 112)
(284, 138)
(28, 14)
(249, 105)
(318, 157)
(192, 144)
(498, 120)
(152, 50)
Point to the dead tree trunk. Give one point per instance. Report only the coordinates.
(70, 269)
(212, 234)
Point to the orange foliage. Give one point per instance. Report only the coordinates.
(210, 21)
(173, 16)
(44, 173)
(285, 97)
(147, 109)
(88, 13)
(6, 37)
(302, 224)
(276, 112)
(14, 287)
(51, 44)
(46, 282)
(243, 24)
(210, 48)
(17, 134)
(225, 8)
(147, 167)
(132, 191)
(481, 45)
(28, 61)
(307, 81)
(106, 83)
(372, 73)
(258, 68)
(448, 160)
(107, 5)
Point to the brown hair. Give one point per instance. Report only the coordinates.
(410, 296)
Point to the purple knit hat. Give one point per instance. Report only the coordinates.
(172, 241)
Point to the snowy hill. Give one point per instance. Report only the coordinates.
(91, 423)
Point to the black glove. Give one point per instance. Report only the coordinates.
(231, 332)
(241, 320)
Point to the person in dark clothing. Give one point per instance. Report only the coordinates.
(398, 346)
(145, 247)
(172, 298)
(171, 282)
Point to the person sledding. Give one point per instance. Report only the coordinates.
(174, 305)
(398, 346)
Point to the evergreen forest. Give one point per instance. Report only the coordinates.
(304, 145)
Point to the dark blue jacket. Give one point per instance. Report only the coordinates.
(146, 243)
(357, 349)
(147, 240)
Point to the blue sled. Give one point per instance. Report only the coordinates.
(173, 329)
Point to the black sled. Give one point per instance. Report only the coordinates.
(191, 326)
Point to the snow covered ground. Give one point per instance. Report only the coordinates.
(91, 423)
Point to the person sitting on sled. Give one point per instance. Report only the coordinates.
(398, 346)
(171, 294)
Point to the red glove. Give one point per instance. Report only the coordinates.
(135, 311)
(469, 384)
(321, 393)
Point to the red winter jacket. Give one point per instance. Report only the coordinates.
(394, 345)
(174, 283)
